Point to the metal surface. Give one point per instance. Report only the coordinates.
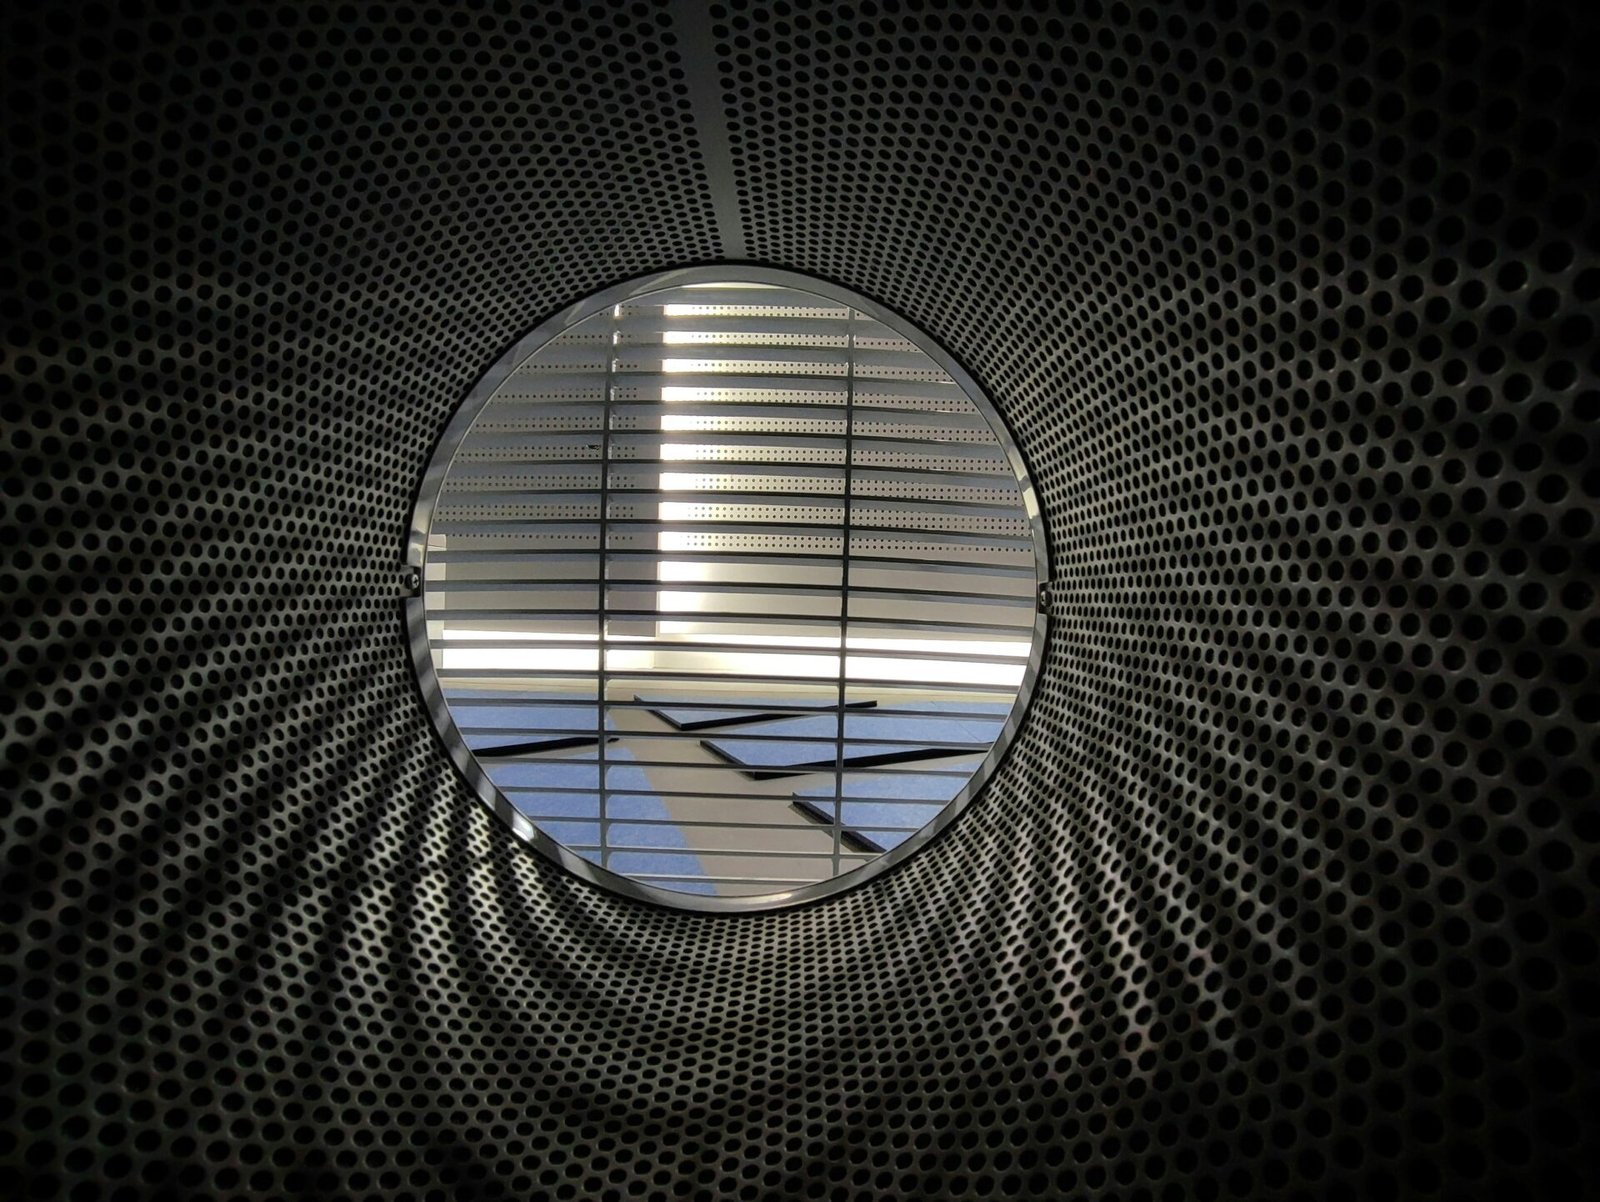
(1288, 889)
(512, 490)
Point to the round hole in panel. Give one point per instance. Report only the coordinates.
(645, 538)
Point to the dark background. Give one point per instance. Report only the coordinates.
(1288, 889)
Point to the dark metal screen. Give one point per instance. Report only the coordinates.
(1288, 886)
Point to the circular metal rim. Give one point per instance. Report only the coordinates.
(428, 492)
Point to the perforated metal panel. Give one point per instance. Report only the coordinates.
(1289, 887)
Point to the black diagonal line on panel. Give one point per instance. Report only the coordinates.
(745, 719)
(909, 755)
(535, 746)
(855, 840)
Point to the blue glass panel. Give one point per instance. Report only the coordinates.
(881, 726)
(774, 755)
(932, 730)
(623, 806)
(551, 772)
(623, 835)
(888, 840)
(519, 712)
(621, 774)
(571, 832)
(912, 786)
(861, 814)
(673, 863)
(998, 708)
(557, 805)
(538, 716)
(753, 705)
(640, 803)
(819, 757)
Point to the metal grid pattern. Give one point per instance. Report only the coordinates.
(646, 551)
(1287, 889)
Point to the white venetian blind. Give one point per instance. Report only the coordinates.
(730, 589)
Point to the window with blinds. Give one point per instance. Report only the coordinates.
(730, 589)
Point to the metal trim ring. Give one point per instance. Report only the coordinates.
(432, 692)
